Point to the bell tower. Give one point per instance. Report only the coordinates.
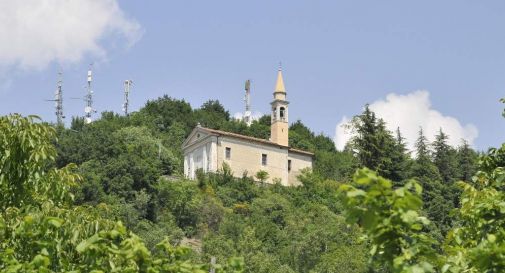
(279, 127)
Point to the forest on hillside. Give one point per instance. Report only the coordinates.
(110, 197)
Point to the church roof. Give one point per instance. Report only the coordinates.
(252, 139)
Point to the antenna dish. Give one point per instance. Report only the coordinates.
(87, 120)
(87, 109)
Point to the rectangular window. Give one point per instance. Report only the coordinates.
(289, 165)
(228, 153)
(263, 159)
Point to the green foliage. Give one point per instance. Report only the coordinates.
(25, 176)
(392, 222)
(390, 219)
(301, 137)
(212, 115)
(41, 231)
(337, 165)
(478, 244)
(467, 161)
(181, 200)
(444, 157)
(262, 176)
(400, 160)
(163, 112)
(373, 144)
(130, 168)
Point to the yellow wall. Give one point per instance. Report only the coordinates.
(208, 153)
(246, 156)
(279, 133)
(298, 163)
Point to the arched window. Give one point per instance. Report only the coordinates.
(282, 113)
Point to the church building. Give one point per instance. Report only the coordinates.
(208, 149)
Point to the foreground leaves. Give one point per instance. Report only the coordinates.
(40, 229)
(393, 224)
(391, 221)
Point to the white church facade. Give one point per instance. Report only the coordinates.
(208, 149)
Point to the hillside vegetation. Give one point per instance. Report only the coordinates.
(102, 196)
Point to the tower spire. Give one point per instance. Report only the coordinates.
(279, 85)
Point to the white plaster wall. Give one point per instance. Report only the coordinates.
(200, 155)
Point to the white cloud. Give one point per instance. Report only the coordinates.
(411, 112)
(35, 33)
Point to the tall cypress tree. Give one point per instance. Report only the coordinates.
(422, 150)
(424, 167)
(444, 157)
(373, 144)
(436, 204)
(467, 161)
(399, 159)
(365, 143)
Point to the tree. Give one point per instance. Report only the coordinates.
(435, 203)
(182, 200)
(40, 229)
(25, 179)
(212, 115)
(478, 243)
(422, 150)
(444, 157)
(161, 113)
(260, 128)
(467, 160)
(262, 176)
(399, 159)
(396, 231)
(424, 167)
(373, 144)
(391, 220)
(338, 166)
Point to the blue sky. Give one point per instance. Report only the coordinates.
(336, 56)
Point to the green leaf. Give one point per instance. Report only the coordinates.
(54, 221)
(355, 193)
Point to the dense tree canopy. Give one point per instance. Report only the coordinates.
(42, 231)
(110, 196)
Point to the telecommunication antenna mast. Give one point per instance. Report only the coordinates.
(58, 99)
(247, 100)
(127, 86)
(88, 109)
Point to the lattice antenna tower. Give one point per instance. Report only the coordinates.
(88, 109)
(247, 100)
(127, 88)
(58, 100)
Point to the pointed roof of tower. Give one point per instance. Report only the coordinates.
(279, 85)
